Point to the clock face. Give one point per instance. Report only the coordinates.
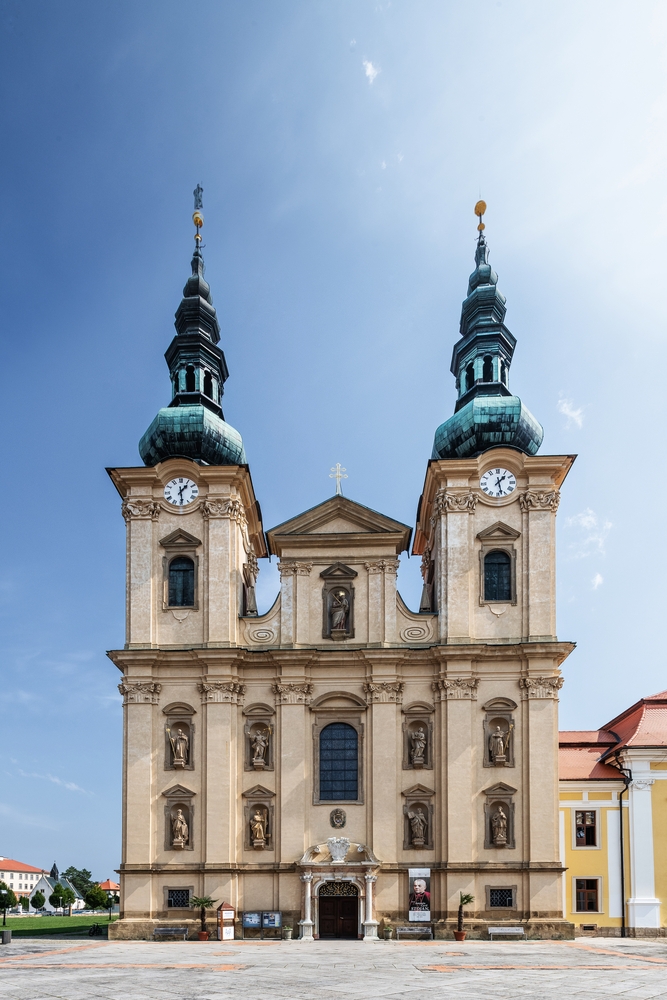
(181, 492)
(498, 482)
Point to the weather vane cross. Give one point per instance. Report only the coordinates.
(198, 215)
(338, 473)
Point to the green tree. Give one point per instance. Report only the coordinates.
(25, 902)
(464, 899)
(80, 878)
(96, 898)
(38, 900)
(61, 896)
(7, 900)
(202, 903)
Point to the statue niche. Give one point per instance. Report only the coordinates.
(499, 817)
(338, 602)
(259, 817)
(418, 818)
(259, 746)
(178, 816)
(418, 825)
(179, 733)
(499, 733)
(179, 742)
(258, 737)
(418, 737)
(180, 829)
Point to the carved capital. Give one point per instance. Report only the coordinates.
(382, 566)
(145, 509)
(374, 567)
(384, 692)
(140, 692)
(226, 692)
(446, 503)
(295, 568)
(540, 687)
(642, 784)
(456, 688)
(539, 500)
(230, 507)
(292, 694)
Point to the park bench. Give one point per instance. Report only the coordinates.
(415, 931)
(161, 932)
(506, 930)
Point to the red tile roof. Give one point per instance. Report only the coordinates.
(644, 724)
(8, 864)
(109, 886)
(580, 763)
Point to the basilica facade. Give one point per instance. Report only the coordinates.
(343, 760)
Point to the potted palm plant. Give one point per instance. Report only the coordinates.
(464, 899)
(202, 903)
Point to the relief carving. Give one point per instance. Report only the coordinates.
(456, 689)
(292, 694)
(140, 509)
(384, 692)
(140, 692)
(540, 687)
(449, 503)
(230, 507)
(227, 692)
(539, 500)
(295, 568)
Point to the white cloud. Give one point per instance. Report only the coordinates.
(597, 581)
(69, 785)
(593, 532)
(371, 70)
(353, 43)
(383, 165)
(575, 415)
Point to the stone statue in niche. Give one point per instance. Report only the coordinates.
(179, 830)
(499, 827)
(340, 607)
(179, 747)
(258, 827)
(259, 742)
(337, 818)
(499, 745)
(418, 747)
(417, 827)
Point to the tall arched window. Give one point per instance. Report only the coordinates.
(339, 762)
(208, 385)
(497, 576)
(470, 376)
(181, 582)
(487, 370)
(189, 379)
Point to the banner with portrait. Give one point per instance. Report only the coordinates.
(419, 895)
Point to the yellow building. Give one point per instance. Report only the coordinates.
(615, 881)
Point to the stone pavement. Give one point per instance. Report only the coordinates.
(32, 969)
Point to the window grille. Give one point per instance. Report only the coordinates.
(178, 898)
(497, 576)
(501, 897)
(339, 762)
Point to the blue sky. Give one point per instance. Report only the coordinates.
(341, 147)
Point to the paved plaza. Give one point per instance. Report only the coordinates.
(330, 970)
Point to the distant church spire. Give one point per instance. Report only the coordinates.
(487, 415)
(193, 424)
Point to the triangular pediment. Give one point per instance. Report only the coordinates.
(339, 516)
(178, 792)
(258, 791)
(179, 539)
(498, 532)
(500, 789)
(338, 571)
(418, 789)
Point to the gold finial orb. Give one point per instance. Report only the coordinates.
(480, 209)
(198, 219)
(481, 227)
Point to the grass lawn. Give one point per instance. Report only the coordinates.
(29, 926)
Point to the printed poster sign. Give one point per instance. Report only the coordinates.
(271, 918)
(419, 898)
(252, 919)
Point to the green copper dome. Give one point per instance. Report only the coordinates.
(487, 415)
(193, 425)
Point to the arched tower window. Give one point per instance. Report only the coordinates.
(189, 379)
(497, 576)
(339, 762)
(487, 370)
(208, 385)
(181, 582)
(470, 376)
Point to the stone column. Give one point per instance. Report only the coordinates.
(370, 925)
(539, 552)
(643, 907)
(226, 522)
(306, 924)
(375, 602)
(457, 565)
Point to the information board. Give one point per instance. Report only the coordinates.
(271, 918)
(252, 919)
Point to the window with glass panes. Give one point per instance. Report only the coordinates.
(339, 762)
(585, 828)
(587, 890)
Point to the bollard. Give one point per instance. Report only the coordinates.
(6, 936)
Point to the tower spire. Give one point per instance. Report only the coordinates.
(487, 414)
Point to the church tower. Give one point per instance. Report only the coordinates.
(341, 762)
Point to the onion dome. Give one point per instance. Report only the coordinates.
(193, 425)
(487, 414)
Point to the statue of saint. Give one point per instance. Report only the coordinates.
(259, 743)
(499, 744)
(258, 827)
(198, 192)
(418, 749)
(179, 747)
(499, 827)
(179, 829)
(417, 827)
(339, 610)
